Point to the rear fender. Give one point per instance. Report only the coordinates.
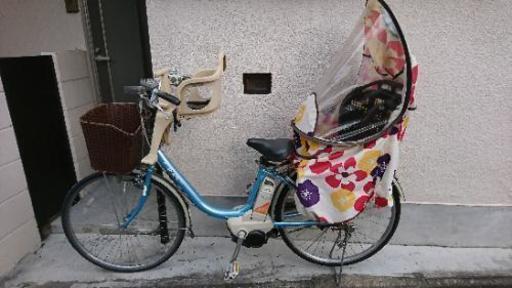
(401, 192)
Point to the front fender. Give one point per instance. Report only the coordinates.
(181, 199)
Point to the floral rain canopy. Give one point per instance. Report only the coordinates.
(347, 132)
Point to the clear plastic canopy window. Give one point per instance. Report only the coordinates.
(366, 89)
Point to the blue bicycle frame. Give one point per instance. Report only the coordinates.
(198, 201)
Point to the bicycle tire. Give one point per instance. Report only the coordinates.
(162, 186)
(383, 240)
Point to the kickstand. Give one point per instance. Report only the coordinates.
(234, 267)
(343, 245)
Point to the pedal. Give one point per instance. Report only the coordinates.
(233, 268)
(232, 271)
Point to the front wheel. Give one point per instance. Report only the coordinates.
(92, 218)
(372, 230)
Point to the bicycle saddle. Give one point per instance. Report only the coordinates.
(275, 150)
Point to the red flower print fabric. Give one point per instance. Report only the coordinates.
(338, 185)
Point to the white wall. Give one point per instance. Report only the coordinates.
(459, 147)
(29, 27)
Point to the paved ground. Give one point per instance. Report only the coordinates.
(200, 262)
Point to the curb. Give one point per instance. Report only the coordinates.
(352, 281)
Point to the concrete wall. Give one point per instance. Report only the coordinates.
(459, 146)
(77, 97)
(27, 27)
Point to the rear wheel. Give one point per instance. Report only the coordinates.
(93, 212)
(372, 230)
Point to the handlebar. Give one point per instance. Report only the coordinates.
(168, 97)
(144, 90)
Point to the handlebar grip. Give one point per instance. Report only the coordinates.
(168, 97)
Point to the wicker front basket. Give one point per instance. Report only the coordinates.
(113, 137)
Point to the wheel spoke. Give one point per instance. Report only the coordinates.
(316, 238)
(109, 192)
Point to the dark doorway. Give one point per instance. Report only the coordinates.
(119, 41)
(34, 104)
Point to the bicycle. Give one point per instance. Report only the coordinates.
(128, 223)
